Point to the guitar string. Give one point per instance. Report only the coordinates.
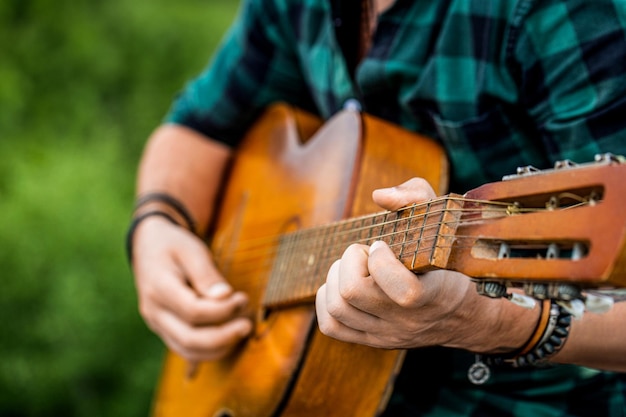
(261, 241)
(249, 247)
(494, 207)
(305, 236)
(266, 261)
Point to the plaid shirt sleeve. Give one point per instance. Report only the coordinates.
(255, 65)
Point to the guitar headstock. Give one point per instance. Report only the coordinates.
(554, 232)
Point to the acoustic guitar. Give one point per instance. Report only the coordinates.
(299, 192)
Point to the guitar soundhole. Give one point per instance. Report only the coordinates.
(224, 413)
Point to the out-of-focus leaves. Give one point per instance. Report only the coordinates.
(82, 84)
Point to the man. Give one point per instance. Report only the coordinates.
(499, 84)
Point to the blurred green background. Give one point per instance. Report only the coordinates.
(82, 84)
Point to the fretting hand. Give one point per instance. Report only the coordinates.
(371, 298)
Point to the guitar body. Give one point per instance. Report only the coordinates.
(292, 172)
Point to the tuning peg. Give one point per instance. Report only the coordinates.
(522, 300)
(608, 158)
(565, 163)
(575, 307)
(596, 303)
(491, 289)
(527, 170)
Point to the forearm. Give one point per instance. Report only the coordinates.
(597, 341)
(186, 165)
(497, 326)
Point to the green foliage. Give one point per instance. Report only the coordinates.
(82, 84)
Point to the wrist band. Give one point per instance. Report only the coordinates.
(170, 201)
(546, 343)
(133, 226)
(540, 329)
(536, 352)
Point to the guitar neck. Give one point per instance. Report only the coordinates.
(562, 226)
(419, 235)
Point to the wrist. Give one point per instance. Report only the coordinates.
(505, 328)
(165, 203)
(517, 327)
(134, 225)
(549, 336)
(157, 204)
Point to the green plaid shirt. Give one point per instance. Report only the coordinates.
(500, 84)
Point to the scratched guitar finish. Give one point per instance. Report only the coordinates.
(299, 193)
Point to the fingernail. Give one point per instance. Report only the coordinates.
(388, 190)
(219, 290)
(376, 245)
(246, 329)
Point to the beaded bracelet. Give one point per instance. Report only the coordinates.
(551, 341)
(536, 351)
(170, 201)
(133, 227)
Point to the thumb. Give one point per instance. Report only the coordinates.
(412, 191)
(200, 271)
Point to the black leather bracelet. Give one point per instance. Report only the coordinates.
(170, 201)
(133, 227)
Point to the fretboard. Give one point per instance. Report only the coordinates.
(419, 236)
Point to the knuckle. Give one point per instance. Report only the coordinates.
(354, 249)
(348, 290)
(418, 182)
(325, 327)
(193, 314)
(406, 299)
(145, 309)
(377, 264)
(188, 341)
(334, 310)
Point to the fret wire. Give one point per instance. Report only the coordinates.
(369, 231)
(382, 225)
(394, 226)
(310, 259)
(291, 248)
(365, 233)
(406, 232)
(421, 232)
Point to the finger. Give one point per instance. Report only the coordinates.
(200, 271)
(356, 287)
(202, 343)
(412, 191)
(351, 282)
(172, 294)
(342, 304)
(398, 283)
(331, 327)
